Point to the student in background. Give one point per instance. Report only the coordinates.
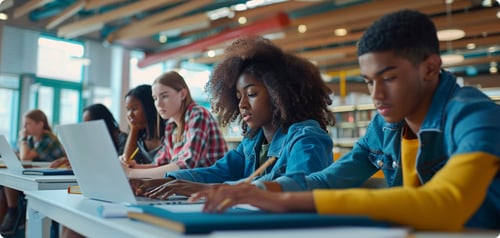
(146, 128)
(99, 112)
(436, 142)
(192, 136)
(282, 103)
(36, 143)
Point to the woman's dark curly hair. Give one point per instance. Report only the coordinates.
(294, 84)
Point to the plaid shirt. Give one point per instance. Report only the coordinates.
(48, 148)
(202, 142)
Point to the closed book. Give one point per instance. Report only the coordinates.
(48, 171)
(75, 189)
(243, 219)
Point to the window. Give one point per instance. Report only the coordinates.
(59, 100)
(57, 86)
(195, 75)
(9, 96)
(145, 75)
(60, 59)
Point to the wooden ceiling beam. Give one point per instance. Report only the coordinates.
(200, 19)
(350, 58)
(29, 6)
(157, 18)
(368, 10)
(90, 24)
(328, 53)
(440, 8)
(265, 11)
(479, 42)
(483, 28)
(208, 60)
(67, 13)
(253, 15)
(296, 43)
(466, 18)
(475, 61)
(93, 4)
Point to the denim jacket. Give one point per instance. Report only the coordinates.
(457, 115)
(305, 148)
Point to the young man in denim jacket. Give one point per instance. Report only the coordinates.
(436, 142)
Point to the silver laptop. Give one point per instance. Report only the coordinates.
(9, 157)
(98, 170)
(17, 166)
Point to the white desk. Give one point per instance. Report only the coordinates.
(35, 182)
(81, 215)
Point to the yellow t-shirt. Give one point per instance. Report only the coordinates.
(409, 149)
(431, 206)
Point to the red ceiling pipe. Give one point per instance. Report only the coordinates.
(265, 25)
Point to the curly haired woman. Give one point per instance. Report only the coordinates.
(282, 104)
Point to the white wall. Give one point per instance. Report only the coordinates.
(18, 50)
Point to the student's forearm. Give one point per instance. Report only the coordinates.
(446, 202)
(25, 153)
(297, 202)
(156, 172)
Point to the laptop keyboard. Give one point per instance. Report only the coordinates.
(176, 199)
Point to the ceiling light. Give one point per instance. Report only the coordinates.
(162, 38)
(486, 3)
(449, 59)
(211, 53)
(275, 35)
(240, 7)
(493, 70)
(3, 16)
(471, 46)
(450, 34)
(302, 28)
(340, 32)
(80, 60)
(498, 14)
(242, 20)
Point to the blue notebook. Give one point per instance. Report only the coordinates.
(48, 171)
(243, 219)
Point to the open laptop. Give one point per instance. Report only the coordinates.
(98, 170)
(15, 165)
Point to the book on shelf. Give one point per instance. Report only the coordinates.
(242, 219)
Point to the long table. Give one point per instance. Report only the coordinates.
(81, 214)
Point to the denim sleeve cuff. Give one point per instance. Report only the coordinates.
(291, 183)
(181, 175)
(260, 185)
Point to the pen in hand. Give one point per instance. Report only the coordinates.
(249, 179)
(133, 154)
